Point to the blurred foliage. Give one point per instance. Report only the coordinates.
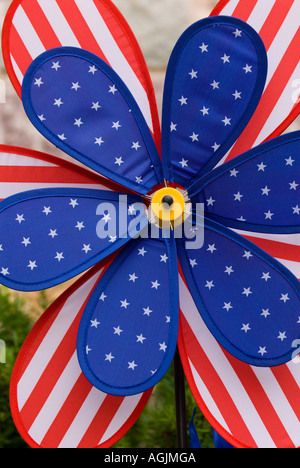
(156, 427)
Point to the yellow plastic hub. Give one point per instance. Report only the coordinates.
(168, 206)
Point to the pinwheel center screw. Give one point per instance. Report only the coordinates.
(168, 207)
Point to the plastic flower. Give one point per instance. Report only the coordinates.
(84, 375)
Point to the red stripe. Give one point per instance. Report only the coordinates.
(23, 59)
(215, 386)
(101, 421)
(34, 174)
(67, 413)
(261, 402)
(269, 99)
(289, 387)
(274, 21)
(80, 29)
(41, 24)
(244, 9)
(277, 249)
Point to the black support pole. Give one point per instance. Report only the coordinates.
(179, 382)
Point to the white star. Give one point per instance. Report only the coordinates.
(106, 218)
(262, 351)
(248, 68)
(38, 82)
(266, 276)
(210, 201)
(99, 141)
(203, 47)
(96, 106)
(73, 203)
(102, 297)
(79, 225)
(41, 117)
(284, 298)
(246, 328)
(117, 331)
(32, 265)
(59, 256)
(116, 125)
(194, 74)
(124, 304)
(155, 285)
(215, 147)
(247, 254)
(93, 69)
(56, 66)
(265, 191)
(119, 161)
(215, 84)
(4, 271)
(168, 319)
(147, 311)
(109, 357)
(184, 163)
(140, 338)
(209, 285)
(211, 248)
(136, 145)
(87, 349)
(296, 209)
(131, 210)
(75, 86)
(62, 137)
(205, 111)
(133, 277)
(226, 121)
(112, 239)
(261, 167)
(225, 58)
(58, 102)
(234, 173)
(47, 210)
(139, 180)
(53, 233)
(193, 263)
(183, 101)
(227, 306)
(20, 218)
(237, 95)
(162, 347)
(142, 252)
(269, 215)
(237, 33)
(293, 185)
(78, 122)
(132, 365)
(173, 127)
(290, 161)
(229, 270)
(238, 196)
(282, 336)
(164, 258)
(112, 89)
(265, 313)
(247, 292)
(26, 241)
(95, 323)
(194, 137)
(87, 248)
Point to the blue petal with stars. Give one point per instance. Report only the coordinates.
(248, 300)
(49, 236)
(82, 106)
(214, 82)
(257, 191)
(128, 334)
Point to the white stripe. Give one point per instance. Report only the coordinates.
(226, 373)
(16, 160)
(114, 55)
(280, 403)
(59, 23)
(292, 239)
(230, 7)
(295, 371)
(125, 410)
(294, 267)
(52, 340)
(17, 70)
(83, 419)
(8, 189)
(206, 396)
(260, 13)
(27, 33)
(55, 401)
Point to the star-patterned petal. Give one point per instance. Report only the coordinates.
(248, 300)
(84, 108)
(214, 81)
(49, 236)
(126, 339)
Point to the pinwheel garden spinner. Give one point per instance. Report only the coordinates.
(161, 272)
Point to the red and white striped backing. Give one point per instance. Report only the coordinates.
(249, 406)
(52, 403)
(277, 22)
(33, 26)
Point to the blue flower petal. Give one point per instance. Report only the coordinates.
(82, 106)
(128, 333)
(49, 236)
(214, 82)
